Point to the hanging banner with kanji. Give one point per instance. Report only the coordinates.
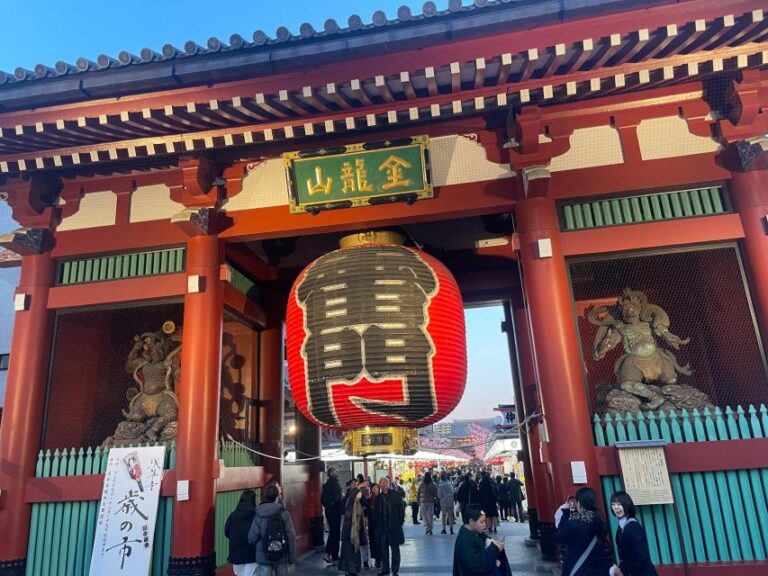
(359, 175)
(128, 511)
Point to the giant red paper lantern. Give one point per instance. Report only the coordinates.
(375, 337)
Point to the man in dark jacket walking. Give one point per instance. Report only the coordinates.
(331, 500)
(389, 518)
(242, 554)
(272, 506)
(515, 490)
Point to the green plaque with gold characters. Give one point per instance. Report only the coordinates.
(359, 175)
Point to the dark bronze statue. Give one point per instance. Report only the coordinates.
(646, 373)
(154, 363)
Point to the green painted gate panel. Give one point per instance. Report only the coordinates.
(61, 533)
(721, 513)
(119, 266)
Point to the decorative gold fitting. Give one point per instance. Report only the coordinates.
(381, 440)
(382, 237)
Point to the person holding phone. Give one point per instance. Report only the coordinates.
(583, 531)
(631, 541)
(475, 553)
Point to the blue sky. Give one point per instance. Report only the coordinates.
(46, 31)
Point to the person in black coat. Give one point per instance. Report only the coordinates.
(242, 554)
(583, 533)
(389, 517)
(488, 497)
(332, 503)
(631, 541)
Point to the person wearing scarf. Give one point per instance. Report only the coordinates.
(352, 533)
(577, 530)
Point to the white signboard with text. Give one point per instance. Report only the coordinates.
(126, 525)
(644, 472)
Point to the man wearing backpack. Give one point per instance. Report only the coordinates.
(273, 535)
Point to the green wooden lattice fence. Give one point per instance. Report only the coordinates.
(722, 513)
(120, 266)
(61, 533)
(234, 455)
(645, 208)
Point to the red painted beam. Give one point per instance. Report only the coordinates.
(645, 176)
(699, 456)
(459, 201)
(238, 303)
(116, 291)
(79, 488)
(726, 227)
(118, 238)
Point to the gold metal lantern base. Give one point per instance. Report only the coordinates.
(381, 440)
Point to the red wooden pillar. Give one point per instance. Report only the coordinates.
(23, 409)
(192, 543)
(567, 432)
(271, 355)
(544, 502)
(749, 191)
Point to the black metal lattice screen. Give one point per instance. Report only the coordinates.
(705, 295)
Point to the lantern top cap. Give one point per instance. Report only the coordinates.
(372, 237)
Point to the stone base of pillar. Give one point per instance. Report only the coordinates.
(194, 566)
(547, 543)
(533, 523)
(13, 567)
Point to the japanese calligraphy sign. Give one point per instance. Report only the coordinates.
(128, 511)
(359, 174)
(644, 472)
(375, 337)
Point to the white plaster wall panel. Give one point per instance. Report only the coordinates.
(265, 185)
(590, 147)
(153, 203)
(669, 137)
(96, 209)
(461, 160)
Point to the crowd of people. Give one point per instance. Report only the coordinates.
(365, 526)
(365, 520)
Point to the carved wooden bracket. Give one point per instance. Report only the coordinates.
(747, 108)
(33, 201)
(26, 241)
(194, 183)
(197, 221)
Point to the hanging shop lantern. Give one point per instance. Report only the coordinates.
(376, 342)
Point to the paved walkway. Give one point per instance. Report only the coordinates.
(433, 555)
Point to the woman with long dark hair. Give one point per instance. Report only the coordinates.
(373, 537)
(583, 532)
(631, 541)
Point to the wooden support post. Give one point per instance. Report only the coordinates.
(192, 543)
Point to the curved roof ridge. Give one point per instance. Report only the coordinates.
(260, 40)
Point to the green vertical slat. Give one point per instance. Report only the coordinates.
(35, 525)
(148, 258)
(666, 206)
(658, 213)
(738, 432)
(587, 211)
(68, 535)
(125, 265)
(610, 432)
(72, 276)
(685, 202)
(569, 221)
(597, 214)
(733, 489)
(605, 206)
(141, 262)
(89, 270)
(93, 508)
(687, 495)
(102, 268)
(578, 216)
(616, 211)
(706, 202)
(626, 210)
(696, 205)
(51, 522)
(637, 212)
(133, 260)
(111, 275)
(598, 430)
(645, 204)
(677, 206)
(164, 262)
(761, 489)
(753, 491)
(65, 267)
(717, 200)
(79, 566)
(80, 271)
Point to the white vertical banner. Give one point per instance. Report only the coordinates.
(126, 525)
